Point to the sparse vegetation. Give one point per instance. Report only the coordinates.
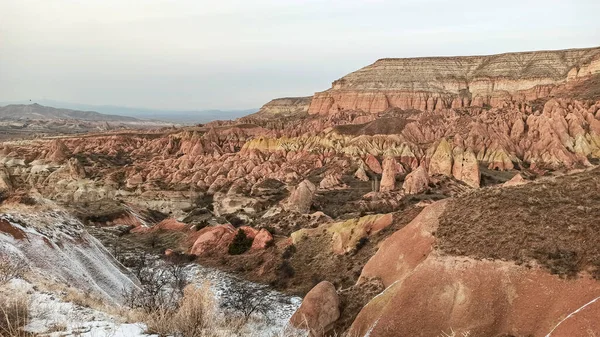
(249, 301)
(11, 268)
(241, 243)
(14, 315)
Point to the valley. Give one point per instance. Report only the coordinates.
(415, 197)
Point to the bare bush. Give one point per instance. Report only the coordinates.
(11, 268)
(248, 301)
(14, 315)
(161, 286)
(154, 292)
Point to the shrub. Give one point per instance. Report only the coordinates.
(285, 269)
(288, 252)
(11, 268)
(361, 243)
(240, 244)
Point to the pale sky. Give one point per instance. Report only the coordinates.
(197, 54)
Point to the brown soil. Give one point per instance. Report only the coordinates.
(553, 221)
(584, 90)
(7, 228)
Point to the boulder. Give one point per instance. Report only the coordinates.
(515, 181)
(331, 181)
(211, 238)
(360, 174)
(262, 239)
(318, 311)
(347, 235)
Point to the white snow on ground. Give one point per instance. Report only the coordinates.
(52, 317)
(223, 284)
(57, 244)
(59, 248)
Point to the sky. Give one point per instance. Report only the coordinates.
(225, 54)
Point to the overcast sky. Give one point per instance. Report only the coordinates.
(197, 54)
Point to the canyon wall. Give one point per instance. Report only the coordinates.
(435, 83)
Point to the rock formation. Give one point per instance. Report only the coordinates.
(287, 106)
(436, 83)
(416, 182)
(319, 310)
(388, 176)
(301, 198)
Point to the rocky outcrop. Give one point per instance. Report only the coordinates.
(212, 238)
(466, 167)
(287, 106)
(416, 182)
(465, 295)
(301, 198)
(517, 180)
(319, 310)
(388, 176)
(436, 83)
(262, 239)
(5, 182)
(441, 161)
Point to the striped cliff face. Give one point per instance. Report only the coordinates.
(435, 83)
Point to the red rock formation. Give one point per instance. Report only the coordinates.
(319, 310)
(301, 198)
(416, 182)
(388, 177)
(437, 83)
(486, 298)
(262, 239)
(212, 238)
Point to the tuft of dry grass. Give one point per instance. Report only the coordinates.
(194, 317)
(14, 315)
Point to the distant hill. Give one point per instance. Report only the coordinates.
(37, 111)
(175, 116)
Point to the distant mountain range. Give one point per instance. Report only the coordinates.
(174, 116)
(36, 111)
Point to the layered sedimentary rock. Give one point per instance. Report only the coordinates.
(287, 106)
(436, 83)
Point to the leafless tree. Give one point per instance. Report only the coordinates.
(248, 301)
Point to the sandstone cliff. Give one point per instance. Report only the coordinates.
(435, 83)
(284, 107)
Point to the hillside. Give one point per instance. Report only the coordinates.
(40, 112)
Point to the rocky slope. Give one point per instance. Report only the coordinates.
(282, 107)
(436, 83)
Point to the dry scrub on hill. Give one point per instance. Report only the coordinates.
(553, 221)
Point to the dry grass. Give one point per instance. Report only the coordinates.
(194, 317)
(14, 315)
